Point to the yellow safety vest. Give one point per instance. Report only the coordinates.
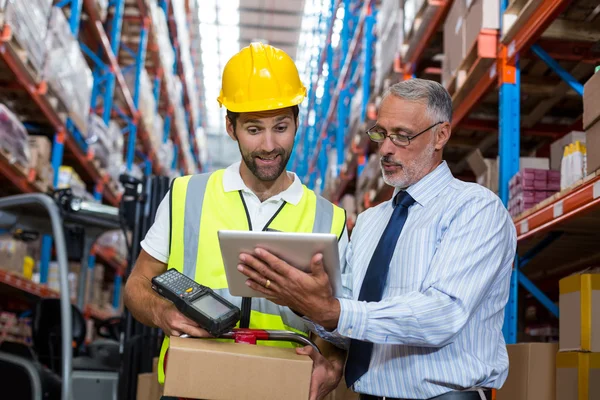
(200, 207)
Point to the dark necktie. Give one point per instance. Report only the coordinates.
(359, 354)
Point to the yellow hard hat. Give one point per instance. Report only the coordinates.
(259, 78)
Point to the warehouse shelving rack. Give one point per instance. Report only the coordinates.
(104, 44)
(499, 82)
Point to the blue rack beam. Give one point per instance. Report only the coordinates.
(299, 163)
(343, 76)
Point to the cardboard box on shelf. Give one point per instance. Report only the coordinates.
(579, 305)
(482, 14)
(206, 369)
(591, 101)
(577, 376)
(592, 143)
(454, 37)
(12, 254)
(557, 148)
(486, 169)
(531, 373)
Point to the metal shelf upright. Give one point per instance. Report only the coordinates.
(328, 131)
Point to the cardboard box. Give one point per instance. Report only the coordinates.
(557, 148)
(577, 376)
(532, 372)
(454, 37)
(207, 369)
(43, 148)
(12, 254)
(482, 14)
(486, 170)
(591, 101)
(592, 143)
(148, 387)
(579, 305)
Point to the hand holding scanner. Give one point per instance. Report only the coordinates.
(199, 303)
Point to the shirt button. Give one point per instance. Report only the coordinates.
(350, 331)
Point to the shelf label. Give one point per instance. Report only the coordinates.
(524, 226)
(558, 209)
(596, 189)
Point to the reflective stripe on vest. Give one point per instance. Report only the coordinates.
(200, 208)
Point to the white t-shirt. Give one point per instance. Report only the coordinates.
(156, 242)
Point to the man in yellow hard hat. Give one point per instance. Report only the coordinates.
(261, 90)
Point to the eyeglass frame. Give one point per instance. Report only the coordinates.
(409, 138)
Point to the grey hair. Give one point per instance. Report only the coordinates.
(431, 93)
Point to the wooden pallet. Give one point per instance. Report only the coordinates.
(478, 61)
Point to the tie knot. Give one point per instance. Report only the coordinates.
(404, 199)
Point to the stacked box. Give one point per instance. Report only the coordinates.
(529, 187)
(40, 149)
(13, 138)
(466, 19)
(532, 372)
(28, 21)
(67, 72)
(578, 360)
(591, 121)
(12, 253)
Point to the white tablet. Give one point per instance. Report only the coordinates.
(297, 249)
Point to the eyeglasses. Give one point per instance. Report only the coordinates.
(377, 135)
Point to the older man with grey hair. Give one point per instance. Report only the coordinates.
(427, 273)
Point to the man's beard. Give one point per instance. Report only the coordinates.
(266, 174)
(408, 173)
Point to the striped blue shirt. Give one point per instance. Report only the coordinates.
(439, 325)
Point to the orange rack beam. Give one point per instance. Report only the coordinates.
(25, 285)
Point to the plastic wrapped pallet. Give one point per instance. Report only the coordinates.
(389, 36)
(165, 154)
(98, 140)
(28, 21)
(147, 105)
(13, 138)
(67, 72)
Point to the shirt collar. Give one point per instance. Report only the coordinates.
(430, 185)
(232, 181)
